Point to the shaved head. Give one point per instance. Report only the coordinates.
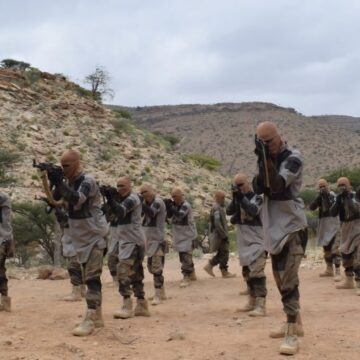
(219, 196)
(343, 182)
(242, 182)
(124, 186)
(268, 133)
(177, 195)
(71, 163)
(322, 183)
(147, 191)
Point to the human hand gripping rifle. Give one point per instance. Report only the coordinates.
(262, 152)
(51, 175)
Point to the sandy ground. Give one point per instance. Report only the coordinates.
(203, 314)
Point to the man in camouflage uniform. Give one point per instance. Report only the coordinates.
(245, 209)
(87, 230)
(68, 250)
(183, 232)
(6, 249)
(154, 212)
(218, 237)
(130, 240)
(328, 229)
(347, 207)
(284, 223)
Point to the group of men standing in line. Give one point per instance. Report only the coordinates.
(267, 212)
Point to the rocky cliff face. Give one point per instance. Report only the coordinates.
(42, 116)
(226, 131)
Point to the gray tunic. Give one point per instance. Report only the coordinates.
(128, 233)
(249, 236)
(328, 225)
(184, 231)
(87, 224)
(154, 225)
(218, 229)
(6, 233)
(349, 213)
(284, 217)
(67, 246)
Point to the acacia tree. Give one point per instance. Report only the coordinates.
(99, 81)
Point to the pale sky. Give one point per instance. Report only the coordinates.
(295, 53)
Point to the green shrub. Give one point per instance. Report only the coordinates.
(122, 125)
(204, 161)
(352, 174)
(31, 224)
(7, 160)
(14, 64)
(121, 113)
(308, 195)
(32, 75)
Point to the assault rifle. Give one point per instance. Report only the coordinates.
(262, 152)
(50, 173)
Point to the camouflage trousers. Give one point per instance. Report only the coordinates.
(155, 265)
(113, 261)
(3, 279)
(285, 268)
(74, 270)
(254, 275)
(351, 263)
(332, 253)
(222, 256)
(91, 273)
(187, 265)
(130, 273)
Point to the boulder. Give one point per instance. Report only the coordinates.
(59, 274)
(45, 271)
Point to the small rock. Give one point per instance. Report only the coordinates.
(176, 335)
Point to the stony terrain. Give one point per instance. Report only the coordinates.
(196, 323)
(42, 117)
(226, 131)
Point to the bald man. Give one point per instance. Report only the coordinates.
(328, 229)
(347, 207)
(87, 231)
(154, 216)
(129, 240)
(184, 233)
(245, 209)
(6, 249)
(218, 237)
(279, 178)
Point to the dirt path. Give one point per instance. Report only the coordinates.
(40, 325)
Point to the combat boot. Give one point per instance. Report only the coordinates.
(227, 275)
(163, 294)
(209, 269)
(87, 326)
(142, 308)
(280, 332)
(5, 304)
(192, 276)
(99, 321)
(259, 309)
(358, 288)
(185, 282)
(290, 345)
(329, 271)
(337, 277)
(348, 283)
(249, 306)
(75, 294)
(156, 299)
(126, 310)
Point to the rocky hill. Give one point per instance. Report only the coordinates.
(43, 114)
(226, 131)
